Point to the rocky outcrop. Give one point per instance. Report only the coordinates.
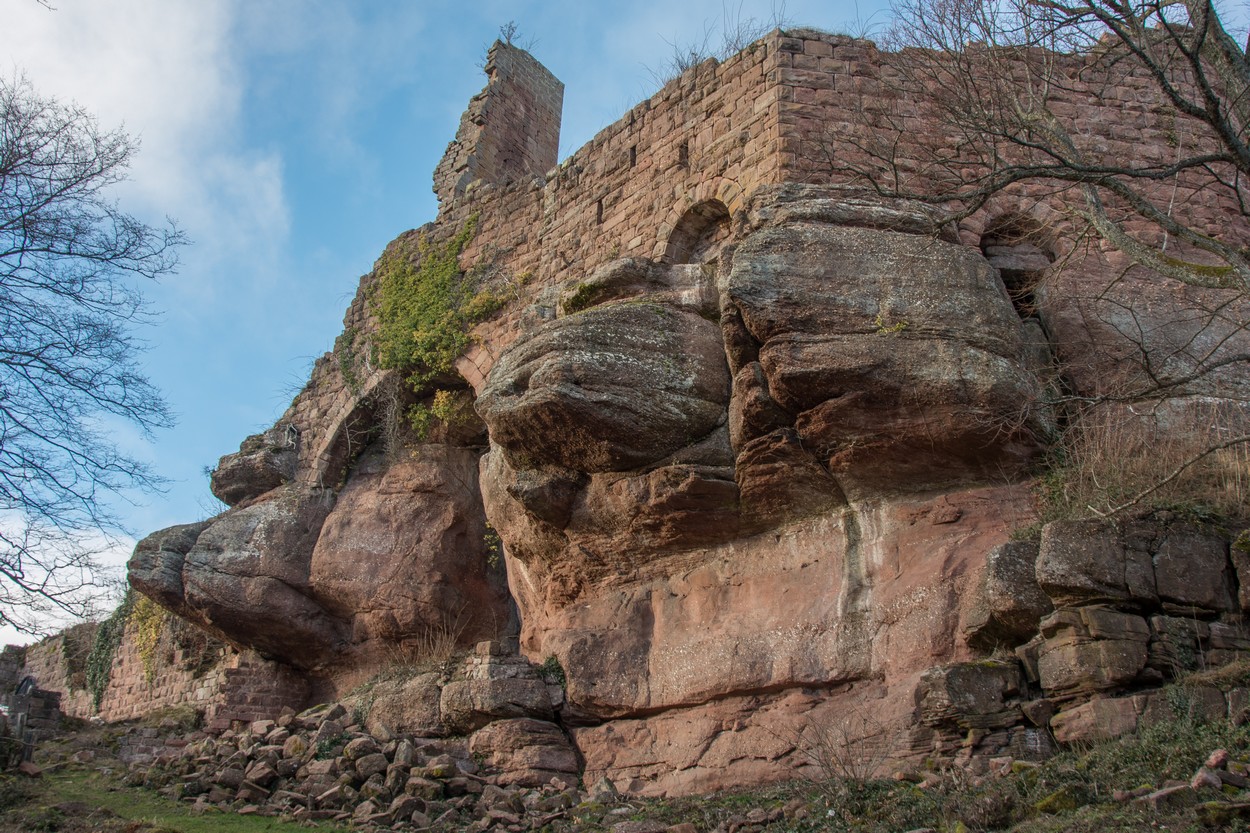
(394, 563)
(755, 462)
(263, 462)
(898, 357)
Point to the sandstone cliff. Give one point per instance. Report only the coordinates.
(748, 458)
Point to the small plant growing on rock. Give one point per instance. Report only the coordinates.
(553, 672)
(889, 329)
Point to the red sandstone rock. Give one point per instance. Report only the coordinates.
(527, 752)
(607, 389)
(403, 555)
(1096, 720)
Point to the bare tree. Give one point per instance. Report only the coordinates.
(1006, 79)
(70, 265)
(1125, 123)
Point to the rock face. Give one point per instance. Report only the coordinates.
(752, 462)
(899, 357)
(396, 562)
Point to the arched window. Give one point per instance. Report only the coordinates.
(699, 234)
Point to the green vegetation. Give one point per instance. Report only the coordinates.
(425, 306)
(493, 545)
(448, 407)
(77, 800)
(583, 297)
(149, 619)
(552, 671)
(345, 350)
(104, 649)
(889, 329)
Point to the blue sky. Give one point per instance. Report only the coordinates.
(292, 139)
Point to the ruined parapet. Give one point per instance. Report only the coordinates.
(511, 128)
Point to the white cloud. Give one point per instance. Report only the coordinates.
(169, 73)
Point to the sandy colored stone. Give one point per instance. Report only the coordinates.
(1096, 720)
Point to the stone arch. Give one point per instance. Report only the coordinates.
(350, 422)
(700, 230)
(1022, 249)
(698, 221)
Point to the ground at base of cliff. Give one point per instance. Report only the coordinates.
(1180, 776)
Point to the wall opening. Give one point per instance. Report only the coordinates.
(699, 234)
(1019, 248)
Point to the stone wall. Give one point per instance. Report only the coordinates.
(224, 683)
(511, 130)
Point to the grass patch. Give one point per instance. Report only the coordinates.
(77, 800)
(1111, 461)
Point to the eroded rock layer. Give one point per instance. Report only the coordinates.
(748, 469)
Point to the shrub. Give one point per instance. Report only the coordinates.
(425, 306)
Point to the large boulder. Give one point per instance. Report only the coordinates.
(899, 357)
(527, 752)
(609, 389)
(1139, 563)
(406, 555)
(247, 578)
(1007, 604)
(155, 567)
(263, 462)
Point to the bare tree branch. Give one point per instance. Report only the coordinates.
(71, 263)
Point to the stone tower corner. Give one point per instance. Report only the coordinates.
(510, 130)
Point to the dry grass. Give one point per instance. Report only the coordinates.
(1118, 460)
(853, 747)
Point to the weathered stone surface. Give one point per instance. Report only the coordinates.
(263, 462)
(752, 615)
(974, 695)
(1008, 604)
(527, 752)
(408, 706)
(1192, 570)
(1091, 648)
(608, 389)
(739, 475)
(247, 579)
(1101, 719)
(403, 554)
(1072, 662)
(1083, 562)
(467, 705)
(743, 741)
(900, 357)
(156, 565)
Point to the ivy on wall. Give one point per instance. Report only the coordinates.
(104, 649)
(149, 621)
(425, 305)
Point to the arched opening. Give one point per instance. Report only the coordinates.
(699, 234)
(1019, 248)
